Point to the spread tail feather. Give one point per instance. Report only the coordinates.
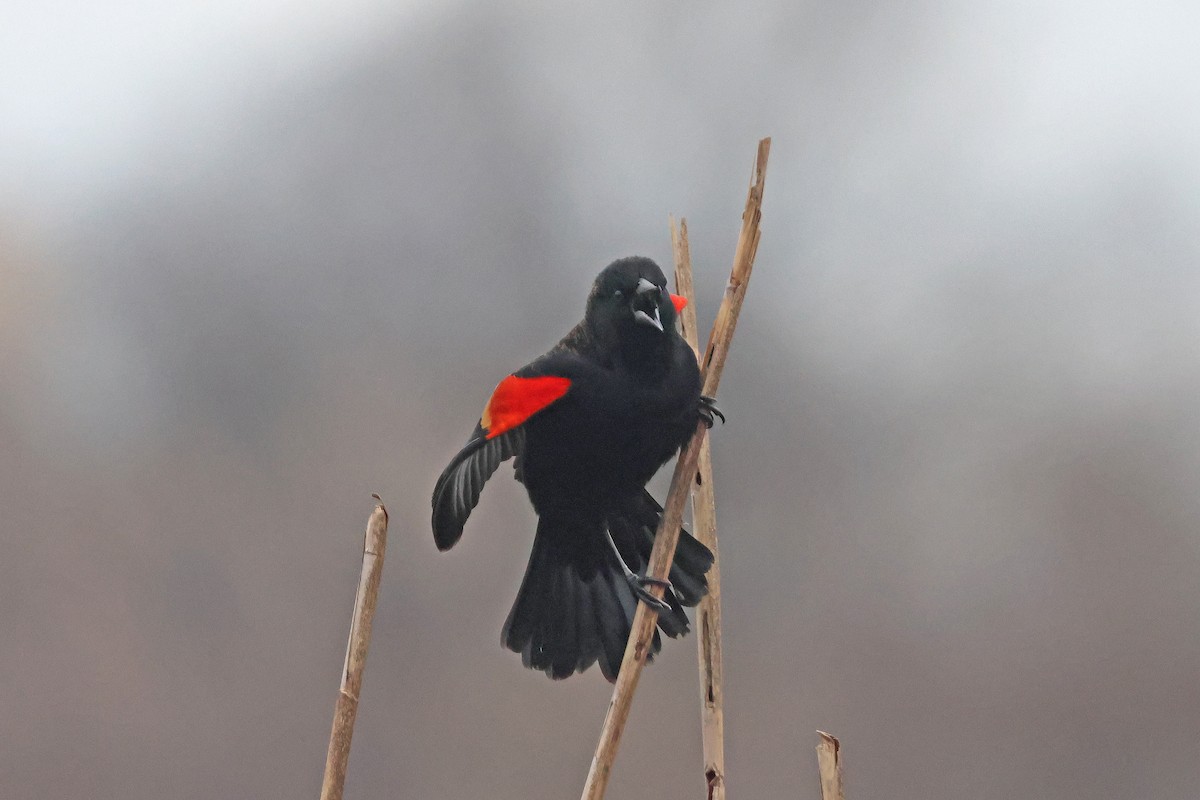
(575, 607)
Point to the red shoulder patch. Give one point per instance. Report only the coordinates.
(679, 301)
(517, 399)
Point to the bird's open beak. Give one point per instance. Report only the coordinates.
(645, 304)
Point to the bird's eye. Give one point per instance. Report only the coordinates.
(618, 294)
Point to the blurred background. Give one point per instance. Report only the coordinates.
(260, 260)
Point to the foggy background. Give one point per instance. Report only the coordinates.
(257, 262)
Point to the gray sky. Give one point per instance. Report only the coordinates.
(258, 262)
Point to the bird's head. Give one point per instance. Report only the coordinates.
(630, 303)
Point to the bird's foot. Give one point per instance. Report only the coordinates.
(639, 583)
(709, 411)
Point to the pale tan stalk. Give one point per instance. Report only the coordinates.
(711, 365)
(704, 527)
(346, 708)
(829, 762)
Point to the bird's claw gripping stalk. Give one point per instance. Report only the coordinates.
(709, 411)
(639, 583)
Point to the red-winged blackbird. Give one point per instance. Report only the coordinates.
(589, 423)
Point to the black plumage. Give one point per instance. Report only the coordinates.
(589, 423)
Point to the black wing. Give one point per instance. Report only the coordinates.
(499, 436)
(457, 490)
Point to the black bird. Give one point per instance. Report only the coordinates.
(589, 423)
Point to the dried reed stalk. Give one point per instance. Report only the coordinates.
(829, 762)
(704, 527)
(642, 633)
(346, 709)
